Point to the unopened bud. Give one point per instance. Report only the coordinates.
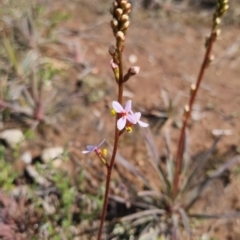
(218, 32)
(134, 70)
(131, 72)
(119, 13)
(113, 64)
(112, 50)
(123, 4)
(127, 8)
(125, 26)
(186, 109)
(226, 7)
(124, 18)
(217, 21)
(211, 58)
(115, 4)
(114, 23)
(193, 86)
(120, 35)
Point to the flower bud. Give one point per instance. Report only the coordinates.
(217, 21)
(193, 88)
(125, 26)
(124, 18)
(131, 72)
(114, 23)
(127, 8)
(186, 109)
(118, 13)
(120, 35)
(112, 50)
(123, 4)
(113, 64)
(115, 4)
(134, 70)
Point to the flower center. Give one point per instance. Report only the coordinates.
(124, 114)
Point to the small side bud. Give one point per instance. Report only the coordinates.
(120, 36)
(119, 13)
(123, 4)
(127, 8)
(113, 64)
(217, 21)
(210, 59)
(218, 32)
(114, 23)
(193, 88)
(115, 69)
(125, 26)
(186, 109)
(134, 70)
(115, 4)
(131, 72)
(112, 50)
(124, 18)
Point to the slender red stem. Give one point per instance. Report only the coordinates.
(181, 141)
(115, 146)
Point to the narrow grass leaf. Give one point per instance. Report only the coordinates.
(154, 157)
(200, 165)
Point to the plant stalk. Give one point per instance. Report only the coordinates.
(115, 146)
(181, 142)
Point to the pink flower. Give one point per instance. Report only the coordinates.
(94, 148)
(137, 117)
(124, 112)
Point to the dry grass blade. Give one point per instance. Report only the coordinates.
(158, 195)
(200, 165)
(154, 157)
(216, 216)
(185, 221)
(135, 204)
(225, 166)
(143, 214)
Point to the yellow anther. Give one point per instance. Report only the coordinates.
(113, 112)
(129, 129)
(104, 152)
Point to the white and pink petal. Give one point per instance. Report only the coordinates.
(117, 107)
(121, 123)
